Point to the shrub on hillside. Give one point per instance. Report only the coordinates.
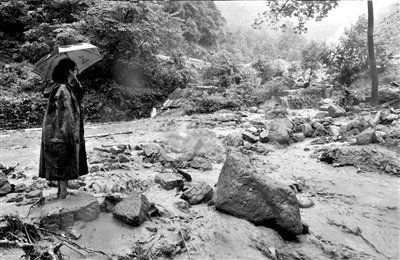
(23, 111)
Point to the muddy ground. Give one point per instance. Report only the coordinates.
(355, 216)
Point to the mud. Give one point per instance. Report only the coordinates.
(355, 216)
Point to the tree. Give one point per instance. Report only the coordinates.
(371, 55)
(303, 11)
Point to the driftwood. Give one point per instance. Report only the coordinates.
(105, 135)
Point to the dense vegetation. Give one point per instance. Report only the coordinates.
(245, 66)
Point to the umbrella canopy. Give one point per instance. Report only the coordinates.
(83, 54)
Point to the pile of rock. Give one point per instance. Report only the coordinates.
(331, 107)
(362, 157)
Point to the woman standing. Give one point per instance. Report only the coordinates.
(63, 153)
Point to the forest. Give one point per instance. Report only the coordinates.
(209, 133)
(131, 79)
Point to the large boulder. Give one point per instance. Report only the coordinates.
(133, 209)
(280, 131)
(5, 186)
(245, 193)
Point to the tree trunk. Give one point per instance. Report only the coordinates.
(371, 55)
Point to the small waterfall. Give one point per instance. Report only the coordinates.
(284, 102)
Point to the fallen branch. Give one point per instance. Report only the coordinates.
(105, 135)
(69, 241)
(184, 241)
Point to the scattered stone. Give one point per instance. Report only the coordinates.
(333, 130)
(249, 137)
(14, 197)
(20, 187)
(233, 139)
(5, 186)
(198, 192)
(147, 165)
(336, 111)
(169, 181)
(298, 137)
(94, 168)
(117, 149)
(122, 158)
(74, 234)
(96, 157)
(307, 130)
(150, 150)
(306, 149)
(245, 193)
(304, 201)
(321, 114)
(133, 209)
(34, 194)
(182, 205)
(110, 201)
(264, 136)
(365, 137)
(201, 163)
(253, 109)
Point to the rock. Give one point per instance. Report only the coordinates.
(249, 137)
(253, 130)
(201, 163)
(97, 157)
(245, 193)
(150, 150)
(336, 111)
(61, 214)
(20, 187)
(234, 139)
(324, 107)
(253, 109)
(279, 131)
(304, 201)
(34, 194)
(110, 201)
(197, 192)
(169, 181)
(321, 114)
(14, 197)
(307, 130)
(74, 234)
(353, 132)
(260, 111)
(75, 184)
(5, 186)
(333, 130)
(133, 209)
(326, 101)
(122, 158)
(298, 137)
(264, 136)
(390, 118)
(94, 168)
(117, 149)
(365, 137)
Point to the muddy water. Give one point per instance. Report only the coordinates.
(356, 214)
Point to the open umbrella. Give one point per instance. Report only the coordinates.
(83, 54)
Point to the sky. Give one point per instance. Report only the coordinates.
(330, 28)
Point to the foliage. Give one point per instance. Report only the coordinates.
(349, 59)
(302, 11)
(202, 21)
(314, 55)
(270, 68)
(223, 71)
